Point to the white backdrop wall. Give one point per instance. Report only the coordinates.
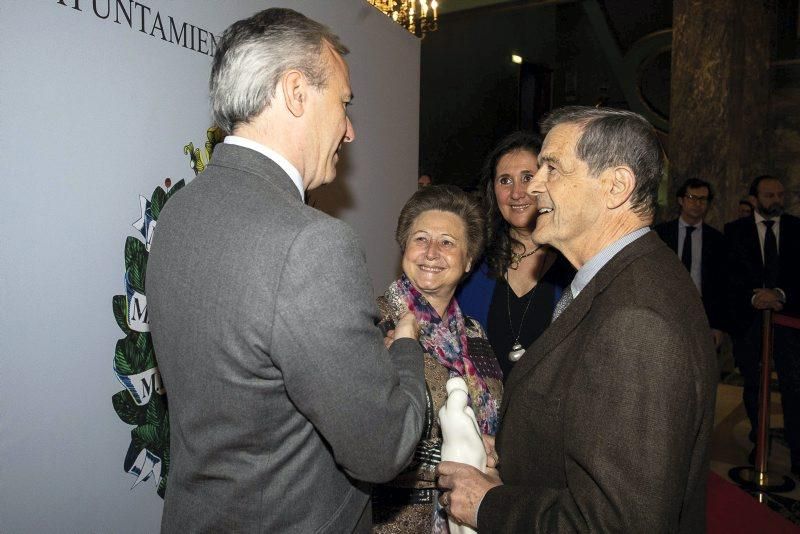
(96, 111)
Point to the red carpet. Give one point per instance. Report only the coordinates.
(730, 510)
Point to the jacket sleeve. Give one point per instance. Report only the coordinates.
(631, 425)
(742, 278)
(715, 281)
(790, 264)
(366, 402)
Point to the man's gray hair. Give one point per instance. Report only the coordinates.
(613, 137)
(254, 53)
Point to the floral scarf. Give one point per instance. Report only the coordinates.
(446, 340)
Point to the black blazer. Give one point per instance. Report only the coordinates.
(607, 418)
(746, 266)
(713, 270)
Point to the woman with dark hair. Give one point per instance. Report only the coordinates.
(513, 292)
(441, 233)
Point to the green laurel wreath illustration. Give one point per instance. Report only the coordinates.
(134, 353)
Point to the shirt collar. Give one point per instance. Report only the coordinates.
(598, 261)
(282, 162)
(684, 224)
(760, 218)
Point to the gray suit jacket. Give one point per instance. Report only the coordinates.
(607, 418)
(280, 390)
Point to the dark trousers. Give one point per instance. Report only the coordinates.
(786, 354)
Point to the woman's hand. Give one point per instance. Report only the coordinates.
(492, 460)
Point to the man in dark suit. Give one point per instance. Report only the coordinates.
(765, 274)
(702, 250)
(607, 417)
(282, 396)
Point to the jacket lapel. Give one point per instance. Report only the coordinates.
(705, 260)
(751, 237)
(672, 235)
(571, 317)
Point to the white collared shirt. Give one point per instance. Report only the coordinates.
(762, 230)
(282, 162)
(697, 250)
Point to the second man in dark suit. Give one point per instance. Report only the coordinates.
(765, 274)
(702, 250)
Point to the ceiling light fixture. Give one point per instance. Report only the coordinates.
(417, 16)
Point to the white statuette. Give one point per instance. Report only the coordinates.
(461, 437)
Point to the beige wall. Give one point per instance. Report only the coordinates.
(95, 114)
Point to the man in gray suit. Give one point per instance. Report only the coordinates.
(283, 399)
(607, 417)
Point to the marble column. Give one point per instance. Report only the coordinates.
(720, 90)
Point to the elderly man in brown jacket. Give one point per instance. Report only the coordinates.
(607, 417)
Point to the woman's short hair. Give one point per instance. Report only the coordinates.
(253, 54)
(499, 240)
(447, 198)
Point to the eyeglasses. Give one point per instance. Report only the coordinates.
(696, 198)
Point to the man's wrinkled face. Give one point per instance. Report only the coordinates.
(769, 200)
(570, 200)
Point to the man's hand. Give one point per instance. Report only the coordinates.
(389, 339)
(766, 299)
(464, 488)
(407, 326)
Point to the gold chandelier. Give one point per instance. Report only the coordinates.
(417, 16)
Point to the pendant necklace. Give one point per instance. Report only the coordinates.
(516, 349)
(516, 258)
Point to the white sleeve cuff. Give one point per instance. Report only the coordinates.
(781, 295)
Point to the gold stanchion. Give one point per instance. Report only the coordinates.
(758, 477)
(764, 395)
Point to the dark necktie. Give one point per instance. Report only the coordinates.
(770, 256)
(686, 256)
